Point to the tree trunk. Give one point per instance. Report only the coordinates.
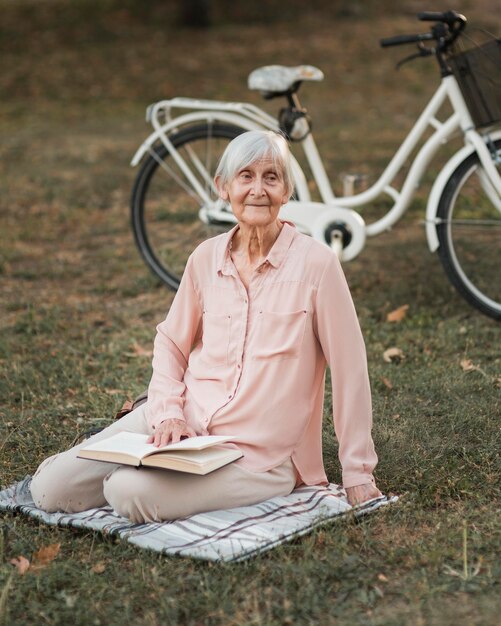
(196, 13)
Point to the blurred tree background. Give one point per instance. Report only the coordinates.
(76, 76)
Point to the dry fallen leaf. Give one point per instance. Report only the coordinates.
(99, 568)
(44, 556)
(387, 383)
(138, 351)
(21, 563)
(393, 354)
(467, 366)
(398, 314)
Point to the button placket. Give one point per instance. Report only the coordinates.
(243, 336)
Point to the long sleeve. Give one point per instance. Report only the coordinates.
(174, 340)
(338, 331)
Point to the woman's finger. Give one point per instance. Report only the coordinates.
(162, 434)
(171, 431)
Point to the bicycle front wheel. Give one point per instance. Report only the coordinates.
(469, 232)
(169, 219)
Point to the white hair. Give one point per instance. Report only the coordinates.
(253, 146)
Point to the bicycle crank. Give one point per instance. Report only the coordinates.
(343, 230)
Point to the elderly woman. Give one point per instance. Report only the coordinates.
(260, 312)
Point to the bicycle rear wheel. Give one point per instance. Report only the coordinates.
(470, 235)
(166, 213)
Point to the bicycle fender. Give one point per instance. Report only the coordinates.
(191, 118)
(300, 182)
(438, 188)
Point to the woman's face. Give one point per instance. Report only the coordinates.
(256, 193)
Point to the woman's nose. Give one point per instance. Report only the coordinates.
(257, 186)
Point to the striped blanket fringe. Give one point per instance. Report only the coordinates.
(226, 535)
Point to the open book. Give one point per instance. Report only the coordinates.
(196, 455)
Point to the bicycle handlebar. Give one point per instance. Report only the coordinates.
(447, 28)
(447, 17)
(402, 39)
(432, 16)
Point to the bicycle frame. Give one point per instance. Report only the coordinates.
(310, 216)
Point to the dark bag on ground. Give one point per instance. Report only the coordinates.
(128, 406)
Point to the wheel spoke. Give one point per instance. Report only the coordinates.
(203, 170)
(470, 236)
(469, 223)
(166, 168)
(167, 214)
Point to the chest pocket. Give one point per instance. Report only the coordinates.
(215, 338)
(279, 335)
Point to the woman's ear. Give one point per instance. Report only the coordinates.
(221, 189)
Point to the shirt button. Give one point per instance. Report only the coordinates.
(239, 366)
(230, 397)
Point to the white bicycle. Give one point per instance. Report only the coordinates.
(175, 204)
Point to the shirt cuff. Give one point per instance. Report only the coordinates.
(155, 421)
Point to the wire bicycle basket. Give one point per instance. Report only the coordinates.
(478, 73)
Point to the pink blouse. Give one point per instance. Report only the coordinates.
(252, 363)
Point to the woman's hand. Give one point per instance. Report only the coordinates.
(170, 431)
(362, 493)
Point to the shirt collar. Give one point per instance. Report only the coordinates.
(275, 256)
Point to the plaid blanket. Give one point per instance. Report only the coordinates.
(229, 535)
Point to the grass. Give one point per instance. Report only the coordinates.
(77, 302)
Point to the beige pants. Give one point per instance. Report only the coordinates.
(66, 483)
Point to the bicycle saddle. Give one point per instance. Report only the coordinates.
(279, 79)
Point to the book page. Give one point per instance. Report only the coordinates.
(194, 443)
(134, 444)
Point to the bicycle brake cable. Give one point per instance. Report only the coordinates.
(423, 52)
